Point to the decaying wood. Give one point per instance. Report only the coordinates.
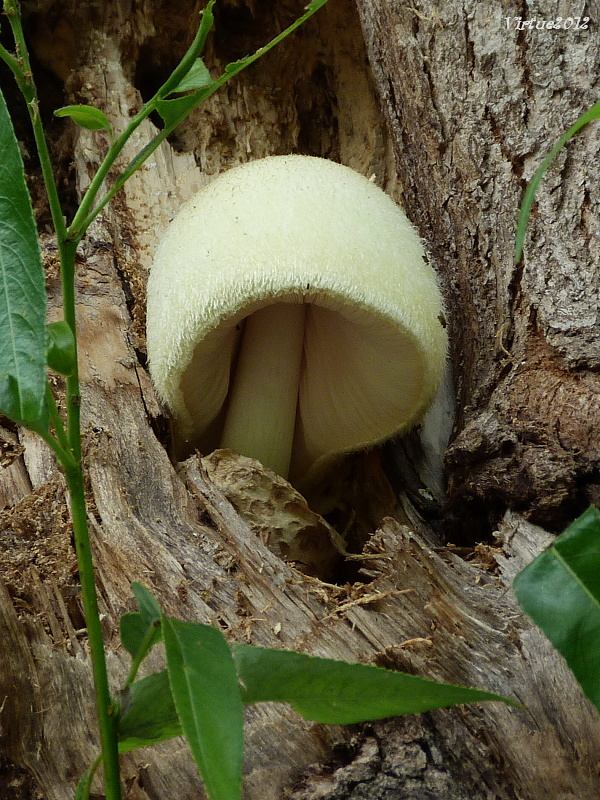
(473, 107)
(467, 106)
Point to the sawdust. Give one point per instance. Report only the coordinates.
(36, 533)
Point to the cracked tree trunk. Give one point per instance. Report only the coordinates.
(451, 110)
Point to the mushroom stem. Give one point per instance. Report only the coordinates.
(262, 406)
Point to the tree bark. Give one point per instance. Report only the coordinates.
(451, 111)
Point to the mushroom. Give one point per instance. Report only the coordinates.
(292, 317)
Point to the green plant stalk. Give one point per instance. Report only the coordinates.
(86, 214)
(529, 196)
(67, 270)
(107, 708)
(83, 217)
(56, 420)
(141, 654)
(64, 456)
(71, 459)
(67, 445)
(21, 69)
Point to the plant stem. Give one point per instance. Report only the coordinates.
(56, 419)
(66, 249)
(63, 456)
(106, 708)
(108, 716)
(68, 446)
(21, 69)
(67, 270)
(87, 211)
(85, 214)
(9, 60)
(142, 653)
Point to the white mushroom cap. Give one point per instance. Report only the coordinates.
(343, 272)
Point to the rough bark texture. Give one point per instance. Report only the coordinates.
(472, 108)
(451, 113)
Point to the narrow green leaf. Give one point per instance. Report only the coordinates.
(207, 20)
(22, 292)
(60, 348)
(81, 792)
(147, 603)
(148, 714)
(189, 62)
(340, 693)
(86, 117)
(530, 192)
(135, 627)
(173, 110)
(560, 591)
(237, 66)
(197, 78)
(84, 786)
(207, 698)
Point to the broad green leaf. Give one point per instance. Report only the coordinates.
(197, 78)
(207, 698)
(141, 628)
(22, 292)
(530, 192)
(86, 116)
(340, 693)
(60, 348)
(148, 713)
(560, 591)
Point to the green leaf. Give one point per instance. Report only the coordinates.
(148, 713)
(175, 110)
(147, 603)
(81, 790)
(141, 628)
(560, 591)
(207, 20)
(197, 78)
(340, 693)
(207, 698)
(133, 629)
(22, 292)
(86, 116)
(237, 66)
(528, 198)
(60, 348)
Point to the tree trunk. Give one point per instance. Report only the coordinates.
(451, 109)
